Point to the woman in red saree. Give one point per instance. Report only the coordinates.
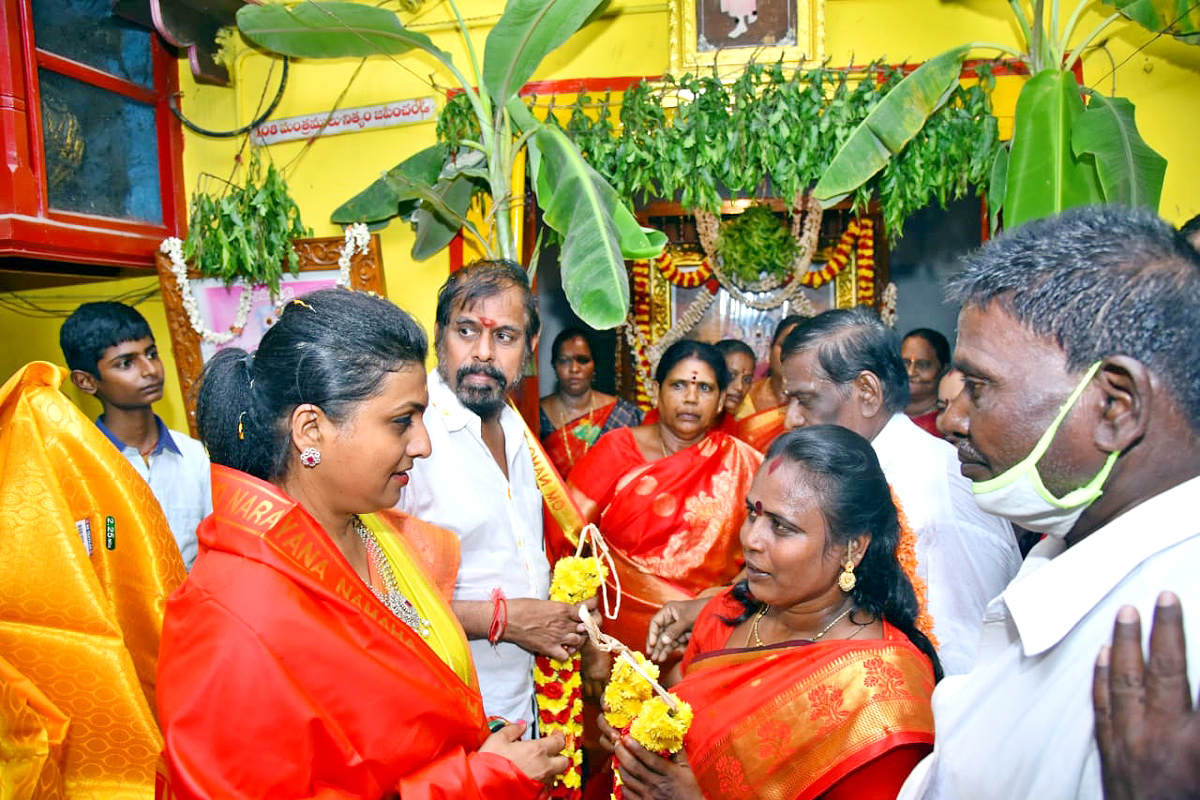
(311, 653)
(576, 415)
(666, 497)
(809, 678)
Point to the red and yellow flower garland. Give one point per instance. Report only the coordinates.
(906, 554)
(864, 262)
(559, 685)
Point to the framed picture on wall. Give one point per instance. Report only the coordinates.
(218, 304)
(728, 33)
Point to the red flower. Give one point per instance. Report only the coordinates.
(553, 691)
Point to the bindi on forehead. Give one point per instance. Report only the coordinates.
(758, 508)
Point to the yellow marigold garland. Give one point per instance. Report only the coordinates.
(559, 685)
(906, 554)
(864, 262)
(816, 278)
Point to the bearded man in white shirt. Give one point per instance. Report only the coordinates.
(479, 483)
(1080, 419)
(843, 367)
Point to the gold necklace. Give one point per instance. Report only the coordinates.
(758, 642)
(390, 595)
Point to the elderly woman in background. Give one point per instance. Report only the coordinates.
(311, 653)
(926, 356)
(666, 496)
(576, 415)
(810, 677)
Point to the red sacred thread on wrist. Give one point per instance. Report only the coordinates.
(499, 617)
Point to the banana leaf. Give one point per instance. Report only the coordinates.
(1045, 175)
(1130, 172)
(388, 196)
(524, 35)
(439, 216)
(997, 183)
(890, 125)
(315, 29)
(579, 205)
(1178, 18)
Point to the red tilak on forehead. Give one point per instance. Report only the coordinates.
(775, 464)
(487, 322)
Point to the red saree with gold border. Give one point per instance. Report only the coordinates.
(672, 524)
(758, 428)
(282, 675)
(795, 719)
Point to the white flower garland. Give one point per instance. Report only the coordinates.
(358, 239)
(888, 312)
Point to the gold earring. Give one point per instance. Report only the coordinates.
(847, 580)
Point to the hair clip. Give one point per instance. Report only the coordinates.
(298, 302)
(241, 430)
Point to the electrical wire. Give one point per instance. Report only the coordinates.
(171, 103)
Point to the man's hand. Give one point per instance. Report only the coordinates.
(594, 673)
(537, 758)
(546, 627)
(671, 627)
(647, 776)
(1146, 728)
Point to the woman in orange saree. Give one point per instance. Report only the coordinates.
(311, 653)
(576, 415)
(760, 417)
(666, 497)
(809, 678)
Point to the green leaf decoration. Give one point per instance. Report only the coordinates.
(526, 33)
(439, 216)
(1178, 18)
(580, 206)
(896, 119)
(315, 29)
(1130, 172)
(382, 200)
(1045, 175)
(997, 183)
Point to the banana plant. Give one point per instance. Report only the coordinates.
(435, 185)
(1063, 153)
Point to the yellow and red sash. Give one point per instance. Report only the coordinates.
(562, 521)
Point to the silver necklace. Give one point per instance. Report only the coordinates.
(391, 596)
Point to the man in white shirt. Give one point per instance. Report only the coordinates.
(844, 368)
(479, 483)
(1080, 419)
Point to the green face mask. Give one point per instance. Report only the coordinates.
(1019, 495)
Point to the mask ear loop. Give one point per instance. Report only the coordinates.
(600, 551)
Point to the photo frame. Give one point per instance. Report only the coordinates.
(218, 303)
(729, 33)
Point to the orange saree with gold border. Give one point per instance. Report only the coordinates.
(282, 675)
(758, 428)
(794, 719)
(671, 524)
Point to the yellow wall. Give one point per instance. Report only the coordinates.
(1163, 81)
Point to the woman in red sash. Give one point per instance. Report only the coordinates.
(576, 415)
(667, 496)
(311, 653)
(810, 677)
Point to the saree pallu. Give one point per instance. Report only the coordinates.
(758, 428)
(88, 563)
(283, 675)
(671, 524)
(791, 720)
(566, 445)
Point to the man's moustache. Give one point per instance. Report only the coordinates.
(481, 369)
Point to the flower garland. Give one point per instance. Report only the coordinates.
(864, 262)
(669, 266)
(559, 684)
(357, 240)
(637, 705)
(888, 312)
(906, 554)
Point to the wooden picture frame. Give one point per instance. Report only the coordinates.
(708, 33)
(318, 270)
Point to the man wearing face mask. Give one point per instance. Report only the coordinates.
(1080, 419)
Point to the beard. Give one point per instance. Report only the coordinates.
(485, 401)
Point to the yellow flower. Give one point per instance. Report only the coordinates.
(660, 729)
(576, 578)
(627, 690)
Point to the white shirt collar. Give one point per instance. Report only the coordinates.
(457, 416)
(1057, 587)
(889, 439)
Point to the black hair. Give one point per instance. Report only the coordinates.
(1190, 228)
(791, 320)
(941, 347)
(1099, 281)
(855, 499)
(691, 348)
(849, 342)
(727, 347)
(482, 279)
(566, 335)
(94, 327)
(332, 348)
